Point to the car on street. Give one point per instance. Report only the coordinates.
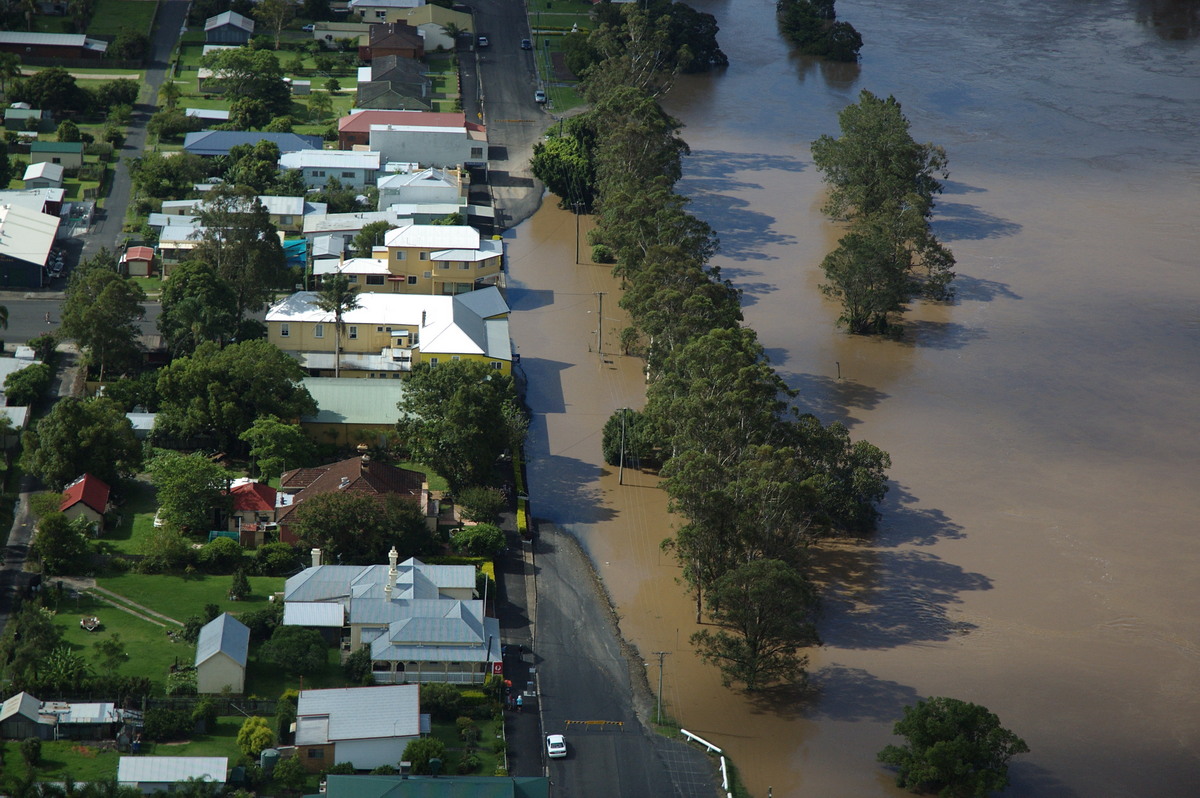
(539, 96)
(483, 41)
(556, 746)
(309, 28)
(526, 44)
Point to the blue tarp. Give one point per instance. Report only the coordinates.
(296, 251)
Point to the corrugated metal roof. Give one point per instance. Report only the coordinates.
(434, 236)
(219, 142)
(330, 159)
(169, 769)
(43, 39)
(44, 169)
(363, 713)
(436, 787)
(224, 634)
(26, 234)
(21, 704)
(229, 18)
(313, 613)
(57, 146)
(373, 402)
(354, 266)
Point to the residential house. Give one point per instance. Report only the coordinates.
(138, 262)
(154, 774)
(214, 115)
(26, 238)
(220, 142)
(433, 186)
(402, 77)
(377, 11)
(228, 28)
(422, 622)
(67, 154)
(19, 116)
(390, 333)
(253, 510)
(350, 412)
(175, 243)
(329, 33)
(359, 271)
(394, 95)
(441, 786)
(354, 130)
(441, 259)
(343, 227)
(23, 716)
(327, 248)
(86, 497)
(356, 475)
(365, 726)
(43, 175)
(392, 38)
(28, 44)
(221, 653)
(431, 20)
(357, 170)
(142, 423)
(429, 145)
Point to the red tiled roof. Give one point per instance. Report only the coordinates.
(356, 475)
(138, 253)
(253, 497)
(87, 489)
(361, 121)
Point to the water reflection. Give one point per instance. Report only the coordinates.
(1174, 20)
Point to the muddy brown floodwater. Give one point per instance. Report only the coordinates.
(1039, 545)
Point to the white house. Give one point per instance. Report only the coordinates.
(355, 169)
(429, 145)
(423, 186)
(43, 175)
(152, 774)
(365, 726)
(221, 653)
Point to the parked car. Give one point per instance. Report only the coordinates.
(309, 28)
(556, 746)
(483, 41)
(526, 44)
(539, 96)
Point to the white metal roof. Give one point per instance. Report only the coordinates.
(330, 159)
(224, 634)
(316, 223)
(352, 266)
(229, 18)
(170, 769)
(313, 613)
(207, 113)
(449, 131)
(26, 234)
(434, 236)
(358, 713)
(44, 169)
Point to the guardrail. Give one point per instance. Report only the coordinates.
(712, 749)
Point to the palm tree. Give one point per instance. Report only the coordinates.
(338, 297)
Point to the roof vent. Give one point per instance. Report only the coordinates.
(345, 483)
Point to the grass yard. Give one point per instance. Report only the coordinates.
(267, 680)
(136, 523)
(151, 652)
(221, 740)
(436, 481)
(179, 597)
(112, 15)
(456, 749)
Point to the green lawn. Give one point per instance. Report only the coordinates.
(267, 680)
(112, 15)
(179, 597)
(136, 522)
(456, 749)
(436, 481)
(151, 652)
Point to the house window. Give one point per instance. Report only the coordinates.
(316, 753)
(374, 279)
(318, 173)
(381, 15)
(400, 255)
(352, 278)
(424, 256)
(285, 219)
(433, 361)
(55, 160)
(381, 666)
(497, 365)
(428, 275)
(477, 152)
(352, 332)
(456, 357)
(284, 330)
(319, 330)
(443, 266)
(348, 174)
(412, 279)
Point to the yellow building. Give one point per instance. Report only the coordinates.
(390, 333)
(438, 259)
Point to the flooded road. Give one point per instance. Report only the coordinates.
(1039, 546)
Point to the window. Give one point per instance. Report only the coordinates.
(352, 331)
(442, 266)
(381, 15)
(285, 330)
(456, 357)
(464, 266)
(477, 152)
(318, 173)
(497, 365)
(285, 219)
(374, 279)
(428, 275)
(348, 174)
(352, 278)
(424, 256)
(432, 361)
(319, 330)
(378, 329)
(399, 255)
(316, 753)
(412, 279)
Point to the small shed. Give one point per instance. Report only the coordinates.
(20, 718)
(152, 774)
(221, 652)
(68, 154)
(86, 497)
(20, 117)
(138, 262)
(228, 28)
(43, 175)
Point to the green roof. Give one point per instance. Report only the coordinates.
(56, 146)
(354, 400)
(440, 787)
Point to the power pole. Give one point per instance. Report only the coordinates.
(621, 469)
(660, 654)
(600, 323)
(576, 205)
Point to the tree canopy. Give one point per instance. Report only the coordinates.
(218, 393)
(190, 488)
(241, 243)
(954, 747)
(101, 313)
(197, 306)
(254, 74)
(359, 528)
(81, 436)
(276, 446)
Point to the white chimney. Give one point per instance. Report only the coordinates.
(316, 558)
(393, 557)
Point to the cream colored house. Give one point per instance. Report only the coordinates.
(390, 333)
(221, 652)
(441, 259)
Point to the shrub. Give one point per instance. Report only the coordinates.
(163, 724)
(205, 711)
(341, 769)
(182, 682)
(480, 504)
(31, 751)
(419, 752)
(254, 736)
(486, 540)
(602, 254)
(441, 700)
(384, 770)
(357, 667)
(290, 773)
(275, 559)
(263, 622)
(468, 764)
(295, 649)
(220, 556)
(240, 587)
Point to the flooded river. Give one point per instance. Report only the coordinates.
(1039, 546)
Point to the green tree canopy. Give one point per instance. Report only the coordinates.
(369, 237)
(242, 245)
(485, 540)
(296, 650)
(255, 74)
(458, 417)
(218, 393)
(276, 446)
(190, 489)
(61, 543)
(101, 313)
(52, 89)
(197, 306)
(157, 176)
(358, 528)
(952, 746)
(81, 436)
(255, 735)
(27, 386)
(420, 752)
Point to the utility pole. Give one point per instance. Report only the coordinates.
(621, 469)
(600, 323)
(576, 205)
(660, 654)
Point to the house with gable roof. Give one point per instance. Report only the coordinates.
(229, 27)
(221, 651)
(164, 774)
(354, 129)
(365, 726)
(392, 38)
(254, 505)
(86, 497)
(422, 622)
